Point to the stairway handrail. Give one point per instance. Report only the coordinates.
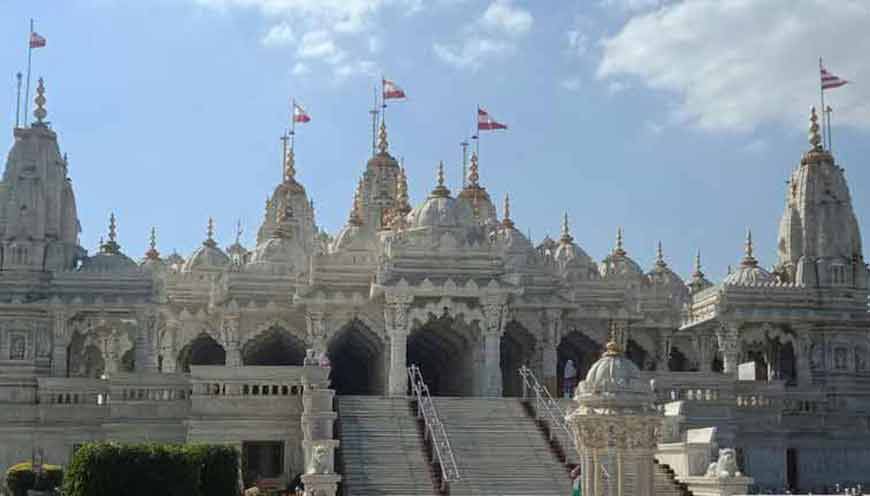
(440, 440)
(545, 402)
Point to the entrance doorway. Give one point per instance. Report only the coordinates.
(262, 460)
(203, 350)
(579, 348)
(274, 347)
(445, 356)
(356, 355)
(517, 349)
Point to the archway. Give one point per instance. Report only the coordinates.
(638, 355)
(445, 356)
(93, 364)
(517, 349)
(356, 355)
(787, 364)
(579, 348)
(677, 361)
(203, 350)
(274, 347)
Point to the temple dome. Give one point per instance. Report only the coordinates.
(278, 255)
(571, 261)
(749, 273)
(207, 257)
(438, 210)
(109, 262)
(661, 277)
(614, 380)
(620, 266)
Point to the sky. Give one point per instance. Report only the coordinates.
(677, 120)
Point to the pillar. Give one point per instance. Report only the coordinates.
(230, 335)
(60, 342)
(802, 349)
(664, 351)
(619, 333)
(495, 313)
(143, 349)
(728, 339)
(397, 322)
(704, 351)
(549, 355)
(318, 445)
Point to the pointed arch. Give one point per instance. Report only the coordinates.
(518, 348)
(356, 355)
(274, 346)
(447, 352)
(583, 351)
(202, 350)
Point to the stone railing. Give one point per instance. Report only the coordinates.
(72, 391)
(692, 386)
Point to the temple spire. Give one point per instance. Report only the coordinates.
(440, 189)
(383, 144)
(660, 256)
(152, 253)
(112, 245)
(40, 113)
(618, 250)
(289, 166)
(473, 172)
(566, 232)
(356, 209)
(748, 259)
(403, 202)
(209, 240)
(507, 222)
(814, 138)
(698, 274)
(238, 232)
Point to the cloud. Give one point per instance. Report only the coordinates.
(737, 64)
(279, 34)
(318, 45)
(494, 34)
(300, 69)
(571, 84)
(631, 5)
(577, 41)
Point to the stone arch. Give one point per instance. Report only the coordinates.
(637, 354)
(582, 350)
(274, 346)
(202, 350)
(85, 357)
(518, 348)
(677, 361)
(447, 353)
(128, 361)
(356, 355)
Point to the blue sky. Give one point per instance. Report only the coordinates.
(677, 120)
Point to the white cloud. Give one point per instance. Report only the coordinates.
(358, 67)
(502, 15)
(279, 34)
(571, 84)
(300, 69)
(494, 34)
(577, 41)
(631, 5)
(736, 64)
(317, 45)
(375, 44)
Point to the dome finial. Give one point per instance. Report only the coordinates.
(815, 138)
(289, 166)
(660, 256)
(383, 144)
(40, 113)
(209, 240)
(698, 274)
(618, 250)
(507, 222)
(356, 210)
(152, 253)
(612, 348)
(112, 245)
(473, 172)
(566, 232)
(748, 259)
(440, 189)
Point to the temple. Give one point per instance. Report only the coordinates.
(217, 345)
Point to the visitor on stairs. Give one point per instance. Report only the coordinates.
(575, 481)
(569, 377)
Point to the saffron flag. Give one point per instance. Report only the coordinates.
(830, 81)
(392, 90)
(299, 114)
(36, 41)
(486, 123)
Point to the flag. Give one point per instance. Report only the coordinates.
(830, 81)
(299, 114)
(392, 90)
(487, 123)
(36, 41)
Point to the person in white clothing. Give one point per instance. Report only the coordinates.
(569, 378)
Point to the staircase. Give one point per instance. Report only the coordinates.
(499, 449)
(381, 450)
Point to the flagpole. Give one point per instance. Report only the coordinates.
(293, 127)
(18, 100)
(828, 112)
(284, 139)
(374, 113)
(822, 94)
(383, 102)
(27, 87)
(464, 145)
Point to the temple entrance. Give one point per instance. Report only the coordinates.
(356, 355)
(517, 349)
(638, 355)
(582, 351)
(203, 350)
(677, 361)
(273, 347)
(445, 356)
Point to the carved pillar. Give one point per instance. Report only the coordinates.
(398, 326)
(111, 355)
(318, 445)
(167, 351)
(663, 351)
(494, 311)
(552, 320)
(728, 339)
(230, 332)
(619, 333)
(704, 350)
(61, 338)
(146, 336)
(316, 323)
(803, 348)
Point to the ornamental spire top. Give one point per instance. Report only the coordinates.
(698, 274)
(507, 222)
(748, 259)
(383, 144)
(152, 253)
(660, 257)
(209, 240)
(40, 113)
(356, 210)
(814, 138)
(618, 250)
(473, 172)
(403, 203)
(440, 189)
(566, 232)
(289, 166)
(112, 245)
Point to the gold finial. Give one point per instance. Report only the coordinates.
(698, 274)
(440, 189)
(507, 222)
(473, 172)
(40, 111)
(383, 144)
(618, 250)
(209, 240)
(815, 139)
(289, 166)
(566, 232)
(612, 349)
(660, 256)
(356, 209)
(152, 253)
(403, 202)
(748, 259)
(112, 245)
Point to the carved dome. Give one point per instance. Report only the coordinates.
(614, 379)
(278, 255)
(749, 273)
(620, 266)
(571, 261)
(207, 258)
(353, 236)
(114, 262)
(661, 277)
(438, 210)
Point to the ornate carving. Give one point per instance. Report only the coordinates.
(725, 466)
(495, 311)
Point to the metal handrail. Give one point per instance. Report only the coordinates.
(434, 427)
(544, 402)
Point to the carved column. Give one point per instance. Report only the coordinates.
(398, 326)
(111, 355)
(803, 348)
(619, 333)
(663, 354)
(704, 350)
(552, 320)
(167, 350)
(230, 331)
(61, 334)
(728, 339)
(494, 311)
(316, 323)
(146, 336)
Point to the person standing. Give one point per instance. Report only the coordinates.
(569, 378)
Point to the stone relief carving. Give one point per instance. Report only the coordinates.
(320, 461)
(17, 346)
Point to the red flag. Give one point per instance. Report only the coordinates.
(36, 41)
(830, 81)
(392, 90)
(299, 114)
(487, 123)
